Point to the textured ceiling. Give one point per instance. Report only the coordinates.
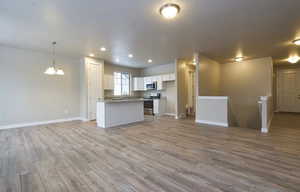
(220, 29)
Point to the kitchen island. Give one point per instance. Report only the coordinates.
(112, 113)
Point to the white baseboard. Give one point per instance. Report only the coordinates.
(212, 123)
(267, 129)
(170, 114)
(264, 130)
(180, 116)
(11, 126)
(84, 119)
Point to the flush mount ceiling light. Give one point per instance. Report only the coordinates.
(130, 55)
(52, 70)
(92, 55)
(117, 60)
(293, 59)
(169, 10)
(102, 49)
(149, 60)
(296, 42)
(239, 59)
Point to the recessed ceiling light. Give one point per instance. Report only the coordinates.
(239, 59)
(102, 49)
(130, 55)
(149, 60)
(169, 11)
(296, 42)
(293, 59)
(92, 55)
(194, 61)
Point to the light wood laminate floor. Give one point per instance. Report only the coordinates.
(160, 155)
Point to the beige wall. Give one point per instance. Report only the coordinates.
(170, 94)
(244, 82)
(181, 87)
(28, 95)
(209, 77)
(109, 69)
(159, 69)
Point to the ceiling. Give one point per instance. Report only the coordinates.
(220, 29)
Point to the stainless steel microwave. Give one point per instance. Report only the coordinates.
(151, 86)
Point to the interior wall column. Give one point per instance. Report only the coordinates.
(197, 78)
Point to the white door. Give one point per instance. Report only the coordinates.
(289, 90)
(94, 88)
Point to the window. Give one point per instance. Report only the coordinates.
(122, 83)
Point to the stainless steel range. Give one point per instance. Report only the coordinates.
(148, 103)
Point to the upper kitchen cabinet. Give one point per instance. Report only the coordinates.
(155, 78)
(108, 82)
(148, 80)
(172, 77)
(159, 81)
(168, 77)
(160, 85)
(138, 84)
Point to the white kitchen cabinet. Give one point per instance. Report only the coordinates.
(160, 84)
(159, 106)
(165, 77)
(172, 77)
(168, 77)
(108, 82)
(155, 78)
(147, 80)
(138, 84)
(159, 78)
(151, 79)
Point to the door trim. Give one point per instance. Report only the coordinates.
(278, 92)
(90, 62)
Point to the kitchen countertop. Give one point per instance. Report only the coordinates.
(122, 100)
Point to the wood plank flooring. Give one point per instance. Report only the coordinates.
(160, 155)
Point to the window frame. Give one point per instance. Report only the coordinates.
(129, 83)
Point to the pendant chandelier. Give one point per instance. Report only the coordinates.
(52, 70)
